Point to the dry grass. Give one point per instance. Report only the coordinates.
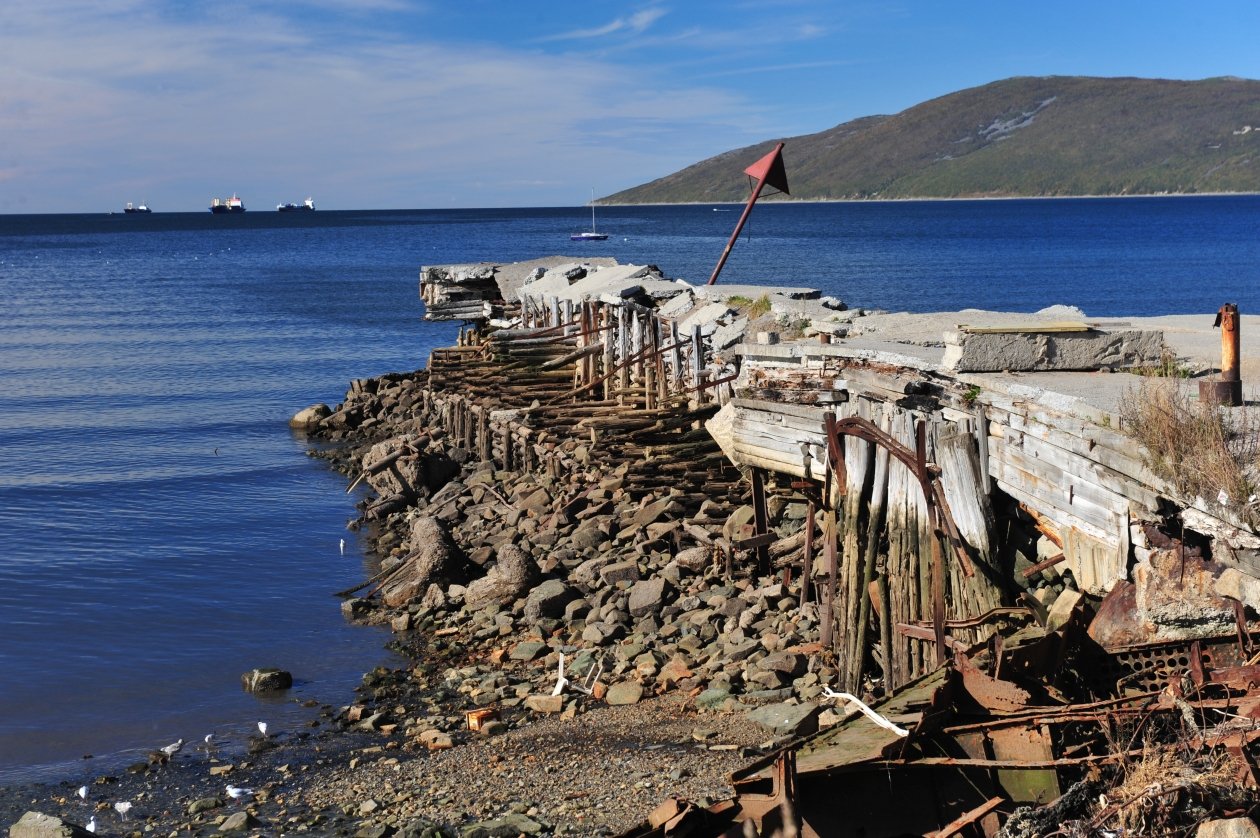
(1200, 448)
(1167, 784)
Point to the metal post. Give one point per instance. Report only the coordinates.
(1228, 389)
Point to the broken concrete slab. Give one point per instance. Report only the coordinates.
(1029, 347)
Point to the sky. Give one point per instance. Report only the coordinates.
(392, 104)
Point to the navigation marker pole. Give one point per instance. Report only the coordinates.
(768, 171)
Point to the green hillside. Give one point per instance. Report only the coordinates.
(1059, 135)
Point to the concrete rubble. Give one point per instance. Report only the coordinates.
(549, 501)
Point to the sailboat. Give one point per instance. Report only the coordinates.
(592, 236)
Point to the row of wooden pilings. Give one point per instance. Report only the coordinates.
(897, 583)
(580, 387)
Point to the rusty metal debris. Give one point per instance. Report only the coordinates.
(1033, 727)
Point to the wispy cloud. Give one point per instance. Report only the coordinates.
(635, 24)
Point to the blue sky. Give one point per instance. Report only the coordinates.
(473, 103)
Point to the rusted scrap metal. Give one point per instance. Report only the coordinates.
(982, 742)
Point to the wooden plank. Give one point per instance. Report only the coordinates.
(1061, 471)
(1135, 494)
(1045, 492)
(1062, 519)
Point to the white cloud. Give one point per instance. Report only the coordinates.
(100, 108)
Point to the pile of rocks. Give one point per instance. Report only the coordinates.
(542, 595)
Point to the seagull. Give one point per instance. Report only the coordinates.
(173, 748)
(262, 728)
(209, 740)
(91, 825)
(122, 807)
(82, 792)
(236, 792)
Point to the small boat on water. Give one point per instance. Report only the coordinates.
(591, 236)
(218, 206)
(134, 208)
(305, 206)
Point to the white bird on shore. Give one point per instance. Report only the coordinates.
(82, 792)
(173, 748)
(91, 825)
(122, 807)
(236, 792)
(262, 728)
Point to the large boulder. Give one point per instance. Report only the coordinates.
(309, 418)
(435, 559)
(513, 574)
(266, 680)
(548, 600)
(39, 825)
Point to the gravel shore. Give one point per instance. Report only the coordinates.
(351, 782)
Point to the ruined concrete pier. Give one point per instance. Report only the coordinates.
(962, 489)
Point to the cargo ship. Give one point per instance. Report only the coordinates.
(308, 204)
(222, 205)
(132, 208)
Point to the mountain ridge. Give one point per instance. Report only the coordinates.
(1027, 136)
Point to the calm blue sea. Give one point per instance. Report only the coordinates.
(162, 531)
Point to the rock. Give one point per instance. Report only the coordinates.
(1061, 611)
(39, 825)
(374, 830)
(625, 692)
(712, 698)
(436, 740)
(1228, 828)
(513, 573)
(788, 664)
(787, 719)
(357, 608)
(508, 826)
(435, 560)
(266, 680)
(547, 601)
(310, 418)
(545, 703)
(694, 559)
(648, 596)
(627, 571)
(528, 650)
(205, 804)
(424, 828)
(239, 822)
(587, 537)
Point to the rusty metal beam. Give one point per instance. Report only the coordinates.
(966, 819)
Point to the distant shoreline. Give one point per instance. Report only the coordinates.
(776, 200)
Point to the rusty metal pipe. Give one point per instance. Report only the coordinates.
(1227, 390)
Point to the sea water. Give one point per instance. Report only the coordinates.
(163, 531)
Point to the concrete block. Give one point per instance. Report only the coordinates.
(1029, 348)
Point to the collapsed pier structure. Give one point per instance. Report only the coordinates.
(1008, 589)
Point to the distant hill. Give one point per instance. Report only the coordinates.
(1060, 135)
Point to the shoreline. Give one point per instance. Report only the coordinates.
(772, 201)
(407, 725)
